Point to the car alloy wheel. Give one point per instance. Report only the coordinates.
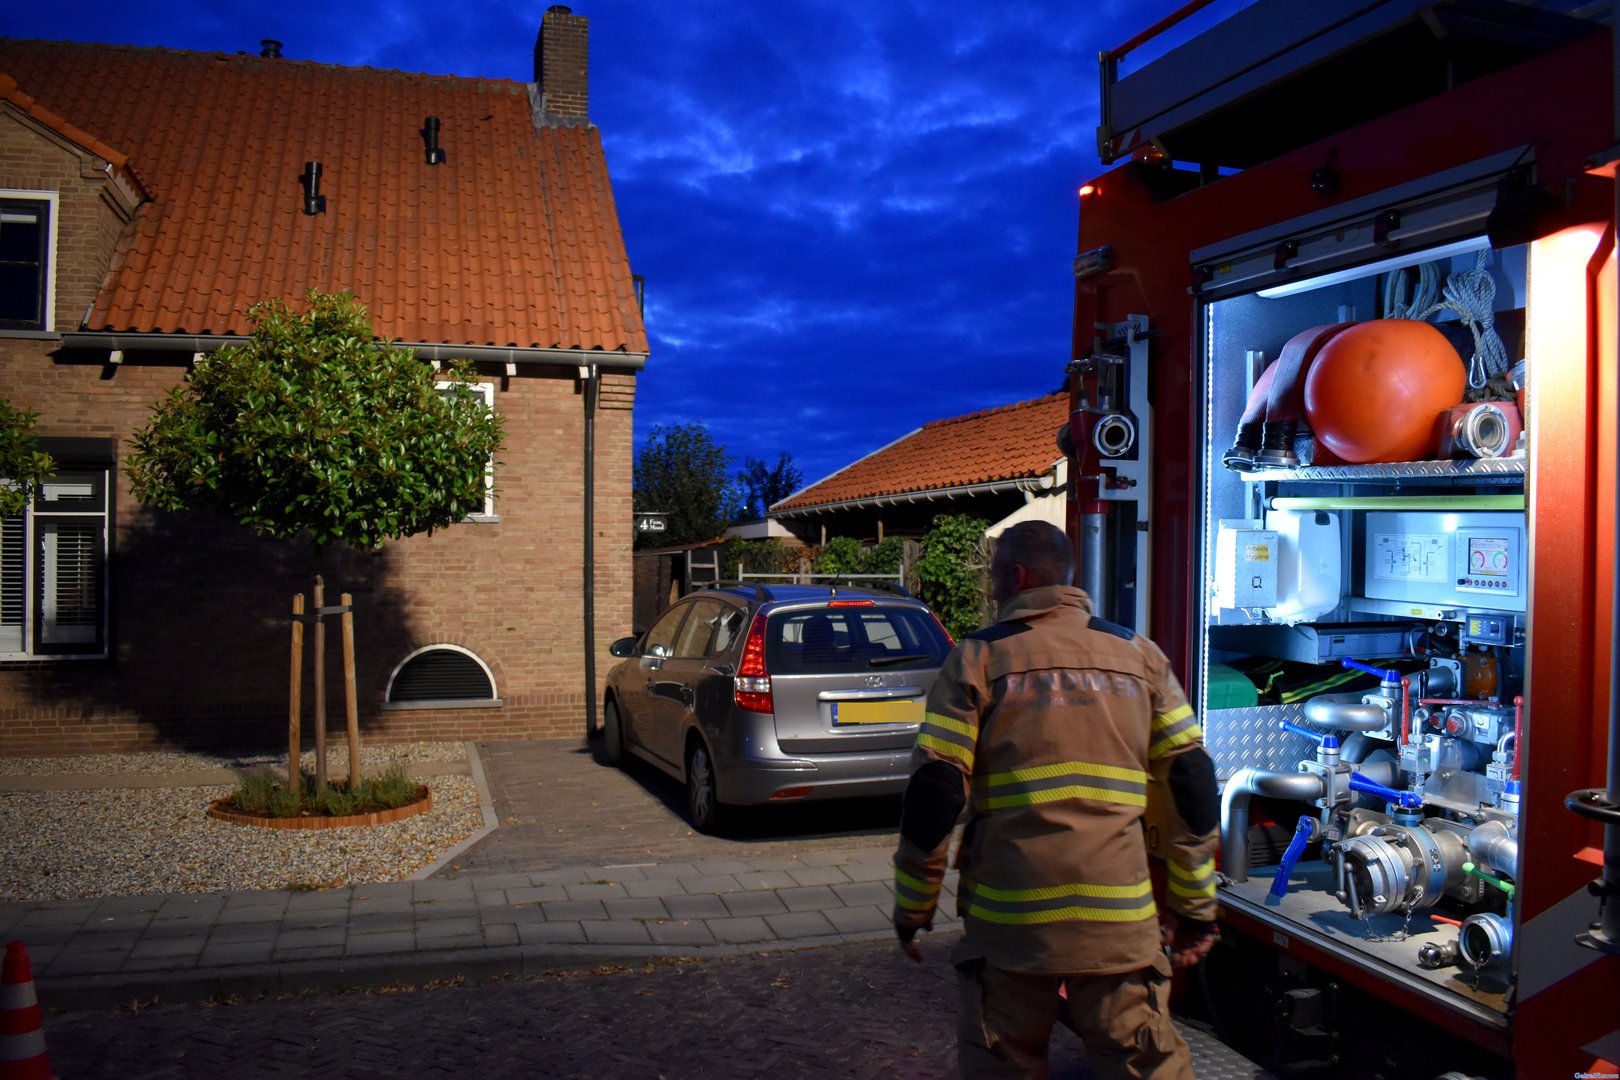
(702, 804)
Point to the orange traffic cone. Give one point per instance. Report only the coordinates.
(22, 1035)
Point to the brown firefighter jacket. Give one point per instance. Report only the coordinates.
(1063, 731)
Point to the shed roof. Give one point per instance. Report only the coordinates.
(1012, 442)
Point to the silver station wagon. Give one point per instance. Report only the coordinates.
(755, 694)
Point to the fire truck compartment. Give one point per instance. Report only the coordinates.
(1378, 608)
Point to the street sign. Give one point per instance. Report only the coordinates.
(651, 523)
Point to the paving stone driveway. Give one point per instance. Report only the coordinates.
(559, 805)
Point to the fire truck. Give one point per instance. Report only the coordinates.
(1343, 442)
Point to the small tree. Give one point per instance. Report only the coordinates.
(22, 467)
(763, 485)
(315, 429)
(682, 473)
(951, 573)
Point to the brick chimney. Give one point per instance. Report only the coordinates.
(561, 61)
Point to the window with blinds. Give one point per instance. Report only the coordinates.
(13, 584)
(53, 570)
(440, 676)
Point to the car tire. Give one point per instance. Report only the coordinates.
(703, 808)
(612, 734)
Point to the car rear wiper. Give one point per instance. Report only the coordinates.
(889, 661)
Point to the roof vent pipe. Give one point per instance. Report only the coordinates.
(314, 201)
(270, 48)
(430, 139)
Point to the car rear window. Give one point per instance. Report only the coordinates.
(808, 641)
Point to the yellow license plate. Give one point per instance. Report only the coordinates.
(902, 711)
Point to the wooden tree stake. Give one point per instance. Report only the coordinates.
(350, 705)
(320, 684)
(296, 695)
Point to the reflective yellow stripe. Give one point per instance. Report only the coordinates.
(1172, 729)
(1061, 903)
(1088, 780)
(1164, 720)
(1042, 772)
(951, 723)
(1046, 795)
(1195, 884)
(914, 894)
(949, 749)
(1146, 910)
(1059, 892)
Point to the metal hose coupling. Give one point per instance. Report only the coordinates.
(1486, 942)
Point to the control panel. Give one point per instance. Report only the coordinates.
(1465, 560)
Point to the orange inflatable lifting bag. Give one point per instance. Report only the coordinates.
(1375, 391)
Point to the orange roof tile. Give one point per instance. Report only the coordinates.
(514, 241)
(1008, 443)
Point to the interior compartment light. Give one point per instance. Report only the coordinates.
(1356, 273)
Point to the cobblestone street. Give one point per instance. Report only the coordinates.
(843, 1011)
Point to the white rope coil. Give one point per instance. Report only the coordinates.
(1471, 296)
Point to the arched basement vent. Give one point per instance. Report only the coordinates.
(442, 675)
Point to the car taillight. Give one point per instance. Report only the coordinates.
(852, 603)
(753, 682)
(942, 630)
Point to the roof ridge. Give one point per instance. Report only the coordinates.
(1031, 403)
(115, 158)
(285, 61)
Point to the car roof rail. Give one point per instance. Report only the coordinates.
(760, 592)
(887, 586)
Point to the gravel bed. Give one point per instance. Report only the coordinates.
(60, 845)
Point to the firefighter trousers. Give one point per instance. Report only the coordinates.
(1005, 1023)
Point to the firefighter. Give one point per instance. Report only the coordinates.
(1061, 728)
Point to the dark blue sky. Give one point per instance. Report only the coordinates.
(852, 218)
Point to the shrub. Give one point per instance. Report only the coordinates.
(884, 557)
(254, 791)
(258, 793)
(284, 801)
(394, 788)
(951, 575)
(840, 555)
(759, 557)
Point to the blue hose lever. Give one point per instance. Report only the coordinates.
(1304, 833)
(1327, 742)
(1386, 674)
(1406, 799)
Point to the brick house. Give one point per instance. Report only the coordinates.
(1001, 464)
(147, 197)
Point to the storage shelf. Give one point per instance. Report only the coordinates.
(1509, 470)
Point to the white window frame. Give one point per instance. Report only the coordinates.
(42, 515)
(53, 201)
(486, 390)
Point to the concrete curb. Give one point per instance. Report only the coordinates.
(91, 992)
(485, 803)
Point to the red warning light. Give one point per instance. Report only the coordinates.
(1087, 189)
